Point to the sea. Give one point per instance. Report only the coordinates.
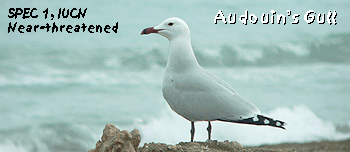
(58, 90)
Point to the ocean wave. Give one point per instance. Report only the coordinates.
(318, 73)
(334, 48)
(107, 66)
(59, 136)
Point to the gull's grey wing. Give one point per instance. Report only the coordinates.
(200, 95)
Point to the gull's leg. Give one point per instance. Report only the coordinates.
(209, 130)
(192, 130)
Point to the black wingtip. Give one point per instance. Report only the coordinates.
(144, 32)
(259, 120)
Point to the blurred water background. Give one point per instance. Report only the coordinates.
(59, 90)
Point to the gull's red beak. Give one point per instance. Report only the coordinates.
(149, 31)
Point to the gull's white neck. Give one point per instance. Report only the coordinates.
(181, 56)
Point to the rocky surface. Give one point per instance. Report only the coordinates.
(336, 146)
(114, 140)
(226, 146)
(208, 145)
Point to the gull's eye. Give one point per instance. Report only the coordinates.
(171, 24)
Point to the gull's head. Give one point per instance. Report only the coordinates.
(170, 28)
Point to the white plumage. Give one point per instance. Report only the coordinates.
(194, 93)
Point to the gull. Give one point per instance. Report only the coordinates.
(196, 94)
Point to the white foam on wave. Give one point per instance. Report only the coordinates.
(10, 146)
(50, 137)
(303, 126)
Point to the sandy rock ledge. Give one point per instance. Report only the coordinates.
(209, 145)
(114, 140)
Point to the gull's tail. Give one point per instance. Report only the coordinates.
(259, 120)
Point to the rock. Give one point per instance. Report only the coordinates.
(194, 146)
(115, 140)
(136, 138)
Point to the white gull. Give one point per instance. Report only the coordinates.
(196, 94)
